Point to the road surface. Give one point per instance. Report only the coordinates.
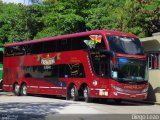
(45, 107)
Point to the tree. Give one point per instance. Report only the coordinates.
(61, 17)
(19, 22)
(151, 14)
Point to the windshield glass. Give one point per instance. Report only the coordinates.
(125, 45)
(131, 70)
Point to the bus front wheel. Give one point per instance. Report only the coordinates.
(86, 94)
(23, 90)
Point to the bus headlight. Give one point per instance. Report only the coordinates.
(117, 88)
(95, 82)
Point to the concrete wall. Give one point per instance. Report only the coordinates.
(154, 87)
(151, 43)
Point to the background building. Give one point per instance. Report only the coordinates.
(152, 48)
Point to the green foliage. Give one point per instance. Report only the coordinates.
(19, 22)
(57, 17)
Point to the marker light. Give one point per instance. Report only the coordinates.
(95, 82)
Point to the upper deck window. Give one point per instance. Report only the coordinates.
(125, 45)
(69, 44)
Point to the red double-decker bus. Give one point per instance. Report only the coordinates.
(94, 64)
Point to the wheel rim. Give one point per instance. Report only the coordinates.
(85, 93)
(24, 90)
(72, 92)
(16, 88)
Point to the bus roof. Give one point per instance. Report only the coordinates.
(72, 36)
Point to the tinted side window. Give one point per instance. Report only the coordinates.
(49, 46)
(62, 70)
(36, 48)
(64, 45)
(28, 49)
(76, 70)
(8, 51)
(79, 44)
(40, 71)
(100, 45)
(14, 51)
(91, 41)
(18, 50)
(71, 70)
(100, 63)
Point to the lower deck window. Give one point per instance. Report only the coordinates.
(62, 70)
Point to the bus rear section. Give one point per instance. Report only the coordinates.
(95, 64)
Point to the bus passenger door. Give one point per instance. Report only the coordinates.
(100, 63)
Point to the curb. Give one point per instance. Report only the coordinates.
(146, 102)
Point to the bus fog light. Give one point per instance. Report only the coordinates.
(95, 82)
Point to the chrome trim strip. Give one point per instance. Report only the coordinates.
(33, 86)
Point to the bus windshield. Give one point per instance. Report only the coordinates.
(131, 70)
(125, 45)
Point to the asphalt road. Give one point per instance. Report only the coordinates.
(49, 107)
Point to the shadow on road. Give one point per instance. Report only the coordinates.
(104, 101)
(122, 103)
(29, 111)
(96, 101)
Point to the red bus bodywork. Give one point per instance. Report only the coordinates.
(99, 87)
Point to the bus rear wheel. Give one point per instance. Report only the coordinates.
(23, 90)
(73, 93)
(16, 89)
(86, 94)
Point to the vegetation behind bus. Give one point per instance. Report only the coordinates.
(57, 17)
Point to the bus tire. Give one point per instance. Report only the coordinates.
(73, 93)
(86, 95)
(23, 90)
(16, 89)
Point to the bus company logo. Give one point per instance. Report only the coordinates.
(134, 87)
(49, 60)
